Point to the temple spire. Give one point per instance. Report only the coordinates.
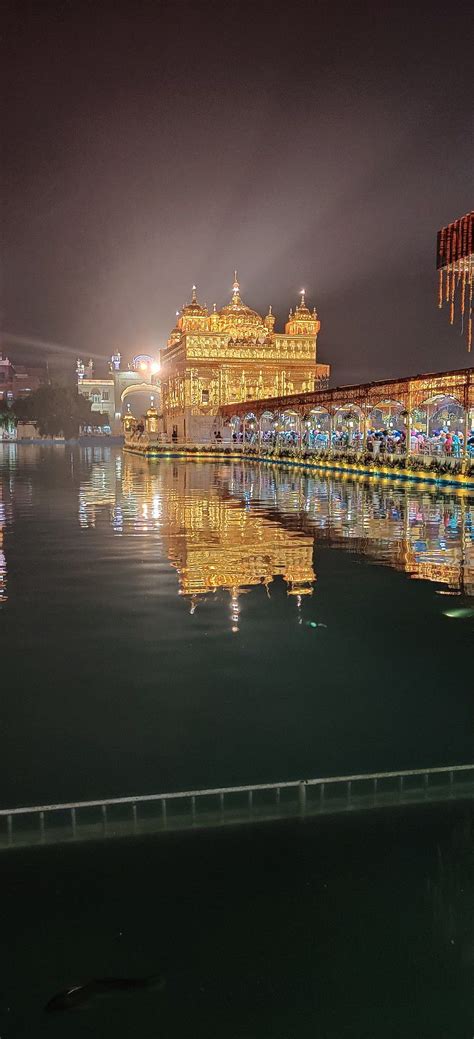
(194, 297)
(236, 289)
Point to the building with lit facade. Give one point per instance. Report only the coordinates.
(108, 395)
(19, 380)
(217, 357)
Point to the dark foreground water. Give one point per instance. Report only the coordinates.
(169, 626)
(351, 928)
(175, 626)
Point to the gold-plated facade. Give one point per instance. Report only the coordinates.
(234, 355)
(411, 392)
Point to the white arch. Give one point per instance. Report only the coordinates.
(140, 387)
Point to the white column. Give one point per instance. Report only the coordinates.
(466, 431)
(408, 431)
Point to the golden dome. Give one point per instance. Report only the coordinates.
(237, 311)
(302, 321)
(194, 309)
(302, 310)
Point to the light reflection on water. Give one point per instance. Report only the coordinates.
(110, 688)
(234, 526)
(184, 625)
(3, 564)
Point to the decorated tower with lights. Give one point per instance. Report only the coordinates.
(455, 264)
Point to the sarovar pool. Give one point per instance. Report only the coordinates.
(179, 625)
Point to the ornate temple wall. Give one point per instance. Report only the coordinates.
(234, 355)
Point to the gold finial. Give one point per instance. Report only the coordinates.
(270, 309)
(194, 297)
(214, 308)
(302, 294)
(235, 289)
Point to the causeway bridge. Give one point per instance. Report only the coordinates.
(235, 805)
(417, 403)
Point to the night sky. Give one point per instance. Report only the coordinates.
(318, 145)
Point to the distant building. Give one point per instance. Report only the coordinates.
(107, 395)
(19, 380)
(233, 355)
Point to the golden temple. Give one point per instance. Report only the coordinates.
(233, 355)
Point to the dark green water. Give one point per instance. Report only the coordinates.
(155, 628)
(157, 631)
(358, 927)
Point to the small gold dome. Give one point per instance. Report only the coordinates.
(194, 309)
(239, 310)
(302, 310)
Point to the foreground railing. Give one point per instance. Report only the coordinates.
(120, 816)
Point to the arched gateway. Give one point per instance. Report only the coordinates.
(111, 395)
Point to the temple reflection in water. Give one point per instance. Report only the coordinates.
(3, 563)
(234, 526)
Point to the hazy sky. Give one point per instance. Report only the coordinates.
(146, 146)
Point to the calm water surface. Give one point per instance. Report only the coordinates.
(352, 928)
(176, 625)
(169, 625)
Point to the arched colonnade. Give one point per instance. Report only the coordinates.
(424, 416)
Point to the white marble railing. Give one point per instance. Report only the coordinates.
(233, 804)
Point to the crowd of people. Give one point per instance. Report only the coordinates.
(441, 441)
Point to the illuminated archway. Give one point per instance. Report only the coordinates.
(267, 432)
(148, 388)
(235, 423)
(348, 425)
(250, 427)
(316, 426)
(386, 415)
